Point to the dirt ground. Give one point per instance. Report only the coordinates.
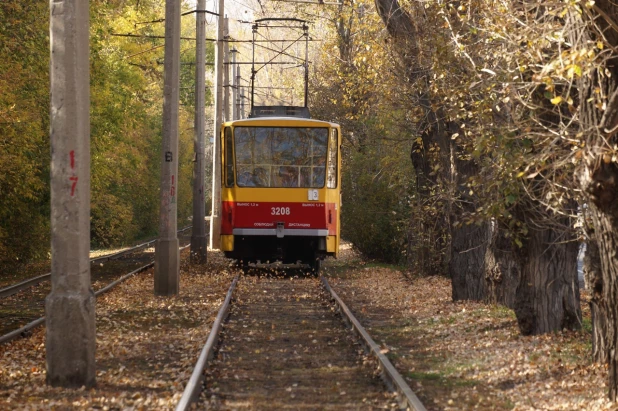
(454, 355)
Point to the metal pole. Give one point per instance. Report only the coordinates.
(242, 102)
(215, 219)
(238, 93)
(198, 235)
(255, 28)
(306, 32)
(70, 306)
(167, 256)
(226, 72)
(235, 81)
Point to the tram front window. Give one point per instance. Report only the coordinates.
(280, 156)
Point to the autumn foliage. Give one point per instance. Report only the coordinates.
(126, 103)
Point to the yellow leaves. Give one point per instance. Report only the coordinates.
(556, 100)
(574, 69)
(559, 99)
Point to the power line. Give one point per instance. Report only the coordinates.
(147, 36)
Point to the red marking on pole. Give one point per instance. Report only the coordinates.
(74, 180)
(72, 155)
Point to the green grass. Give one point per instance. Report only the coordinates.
(587, 325)
(500, 311)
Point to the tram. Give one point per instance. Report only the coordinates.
(280, 187)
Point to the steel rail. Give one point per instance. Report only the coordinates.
(23, 330)
(194, 386)
(407, 398)
(14, 289)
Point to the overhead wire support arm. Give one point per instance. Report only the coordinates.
(266, 41)
(266, 19)
(263, 63)
(200, 11)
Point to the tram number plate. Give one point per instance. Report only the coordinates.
(280, 211)
(313, 195)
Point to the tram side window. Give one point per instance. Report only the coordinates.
(229, 158)
(332, 159)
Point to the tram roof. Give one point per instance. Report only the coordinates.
(280, 122)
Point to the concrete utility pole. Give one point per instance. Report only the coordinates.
(235, 81)
(215, 218)
(198, 236)
(167, 256)
(70, 306)
(226, 71)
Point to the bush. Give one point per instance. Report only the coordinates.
(375, 210)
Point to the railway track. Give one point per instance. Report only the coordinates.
(24, 285)
(285, 346)
(23, 310)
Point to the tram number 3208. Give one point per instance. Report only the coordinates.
(280, 211)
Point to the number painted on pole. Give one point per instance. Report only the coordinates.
(73, 178)
(280, 211)
(73, 185)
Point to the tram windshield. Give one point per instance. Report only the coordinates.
(280, 156)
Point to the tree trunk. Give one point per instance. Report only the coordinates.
(429, 236)
(598, 176)
(466, 267)
(600, 182)
(594, 280)
(547, 297)
(502, 268)
(468, 241)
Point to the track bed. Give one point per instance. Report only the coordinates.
(284, 347)
(27, 305)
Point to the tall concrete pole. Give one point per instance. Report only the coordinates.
(235, 81)
(167, 256)
(215, 218)
(70, 306)
(198, 236)
(226, 70)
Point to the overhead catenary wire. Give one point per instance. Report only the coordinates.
(148, 36)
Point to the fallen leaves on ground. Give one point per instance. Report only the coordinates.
(469, 355)
(146, 346)
(461, 355)
(285, 347)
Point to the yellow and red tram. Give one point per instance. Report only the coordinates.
(280, 189)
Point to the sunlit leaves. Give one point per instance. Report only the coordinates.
(24, 130)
